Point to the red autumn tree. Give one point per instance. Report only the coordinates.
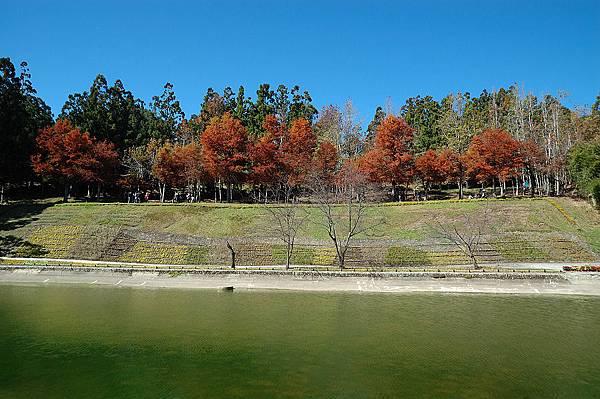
(326, 161)
(297, 151)
(167, 169)
(265, 154)
(190, 157)
(179, 166)
(429, 169)
(70, 156)
(450, 163)
(225, 151)
(390, 160)
(493, 154)
(436, 167)
(108, 162)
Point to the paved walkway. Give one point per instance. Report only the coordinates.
(559, 284)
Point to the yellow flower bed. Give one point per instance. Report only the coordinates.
(300, 255)
(456, 200)
(235, 205)
(406, 256)
(57, 241)
(324, 256)
(561, 210)
(144, 252)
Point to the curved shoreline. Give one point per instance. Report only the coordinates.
(388, 282)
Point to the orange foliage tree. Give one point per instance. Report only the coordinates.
(493, 154)
(266, 154)
(297, 152)
(179, 166)
(391, 160)
(326, 161)
(166, 169)
(226, 152)
(436, 167)
(194, 173)
(70, 156)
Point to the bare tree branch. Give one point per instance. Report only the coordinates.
(466, 233)
(342, 208)
(287, 219)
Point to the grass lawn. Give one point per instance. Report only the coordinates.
(558, 229)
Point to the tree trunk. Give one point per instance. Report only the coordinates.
(162, 188)
(288, 256)
(66, 194)
(461, 180)
(2, 194)
(474, 260)
(232, 255)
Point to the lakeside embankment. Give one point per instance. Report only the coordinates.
(387, 282)
(540, 230)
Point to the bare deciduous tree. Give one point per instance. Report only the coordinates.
(342, 208)
(287, 220)
(466, 233)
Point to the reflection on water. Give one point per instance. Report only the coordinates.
(58, 342)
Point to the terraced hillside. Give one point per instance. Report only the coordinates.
(521, 230)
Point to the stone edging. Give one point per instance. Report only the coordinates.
(304, 273)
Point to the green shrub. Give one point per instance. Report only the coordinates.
(145, 252)
(595, 192)
(197, 255)
(406, 256)
(517, 249)
(300, 255)
(584, 167)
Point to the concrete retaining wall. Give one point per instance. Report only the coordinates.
(309, 274)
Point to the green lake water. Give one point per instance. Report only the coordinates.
(83, 342)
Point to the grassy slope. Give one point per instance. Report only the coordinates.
(522, 230)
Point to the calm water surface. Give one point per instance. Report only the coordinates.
(81, 342)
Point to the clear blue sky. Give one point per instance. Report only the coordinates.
(366, 51)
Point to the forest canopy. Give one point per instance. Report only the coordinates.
(247, 147)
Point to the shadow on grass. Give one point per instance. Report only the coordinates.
(21, 214)
(15, 246)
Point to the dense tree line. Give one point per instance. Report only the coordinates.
(22, 115)
(584, 158)
(243, 147)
